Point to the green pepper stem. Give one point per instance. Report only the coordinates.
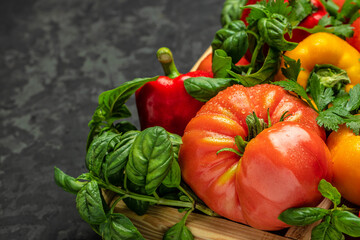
(165, 57)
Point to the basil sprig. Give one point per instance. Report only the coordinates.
(336, 221)
(141, 168)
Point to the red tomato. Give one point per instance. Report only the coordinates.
(291, 155)
(284, 174)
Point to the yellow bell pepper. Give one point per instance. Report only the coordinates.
(325, 48)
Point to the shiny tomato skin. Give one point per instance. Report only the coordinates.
(344, 146)
(212, 176)
(281, 168)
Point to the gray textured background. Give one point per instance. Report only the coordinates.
(56, 57)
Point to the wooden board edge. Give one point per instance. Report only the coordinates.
(159, 219)
(204, 55)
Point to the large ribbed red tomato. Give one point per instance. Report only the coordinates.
(280, 168)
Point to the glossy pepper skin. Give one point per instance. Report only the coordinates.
(344, 146)
(325, 48)
(165, 102)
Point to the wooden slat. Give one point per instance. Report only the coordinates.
(159, 219)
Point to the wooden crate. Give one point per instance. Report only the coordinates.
(159, 219)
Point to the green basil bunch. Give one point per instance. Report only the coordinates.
(141, 167)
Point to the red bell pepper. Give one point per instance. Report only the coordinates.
(165, 102)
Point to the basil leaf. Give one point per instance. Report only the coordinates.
(221, 64)
(173, 178)
(325, 231)
(118, 226)
(346, 222)
(150, 158)
(111, 102)
(67, 182)
(116, 161)
(203, 88)
(302, 216)
(330, 192)
(231, 11)
(232, 39)
(266, 72)
(98, 150)
(137, 206)
(176, 141)
(89, 204)
(273, 30)
(124, 126)
(178, 232)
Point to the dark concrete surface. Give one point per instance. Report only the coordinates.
(56, 57)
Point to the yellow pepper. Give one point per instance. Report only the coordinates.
(325, 48)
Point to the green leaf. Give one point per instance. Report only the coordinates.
(325, 231)
(349, 8)
(354, 100)
(266, 72)
(173, 178)
(332, 118)
(300, 9)
(330, 25)
(89, 204)
(111, 102)
(273, 31)
(302, 216)
(124, 126)
(353, 122)
(118, 226)
(292, 68)
(221, 64)
(346, 222)
(203, 88)
(232, 39)
(321, 95)
(176, 141)
(150, 158)
(294, 87)
(178, 232)
(116, 161)
(98, 150)
(137, 206)
(67, 182)
(330, 192)
(231, 11)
